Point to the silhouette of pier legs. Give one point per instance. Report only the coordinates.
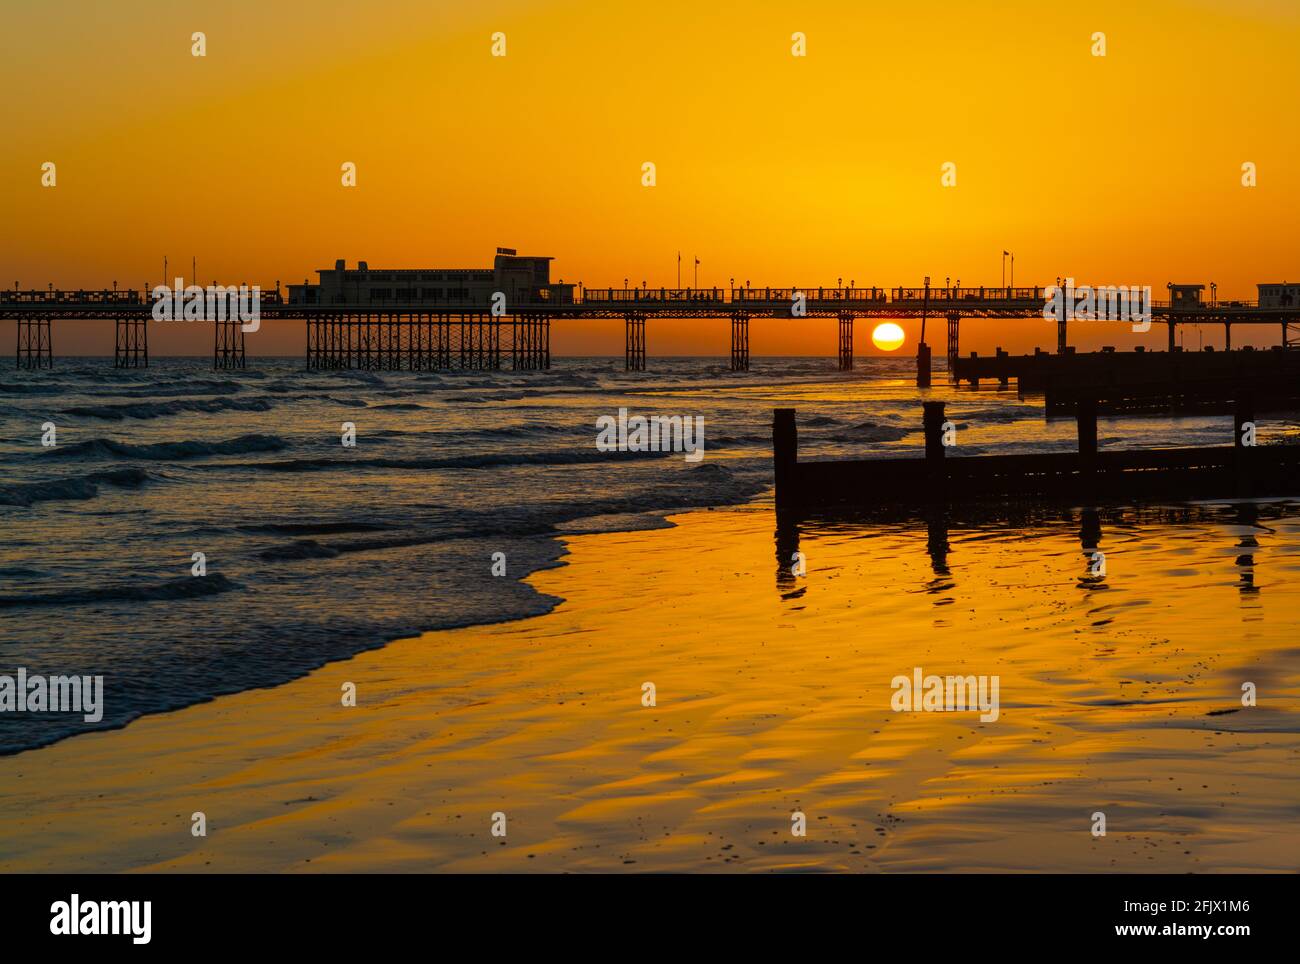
(531, 350)
(739, 342)
(414, 341)
(131, 343)
(846, 342)
(954, 323)
(35, 349)
(480, 341)
(228, 343)
(634, 351)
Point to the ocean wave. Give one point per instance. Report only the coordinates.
(194, 448)
(185, 587)
(160, 393)
(302, 549)
(873, 432)
(35, 388)
(198, 386)
(77, 488)
(466, 398)
(311, 528)
(482, 461)
(177, 406)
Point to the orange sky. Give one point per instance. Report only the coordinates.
(776, 169)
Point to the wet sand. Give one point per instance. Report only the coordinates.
(773, 696)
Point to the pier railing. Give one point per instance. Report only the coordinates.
(949, 295)
(39, 297)
(631, 296)
(123, 298)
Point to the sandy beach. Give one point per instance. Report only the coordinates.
(772, 696)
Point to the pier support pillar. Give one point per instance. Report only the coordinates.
(739, 342)
(531, 350)
(954, 321)
(35, 349)
(846, 342)
(1004, 377)
(785, 456)
(228, 343)
(634, 350)
(419, 344)
(1171, 334)
(131, 342)
(922, 365)
(311, 325)
(1061, 342)
(480, 340)
(1227, 335)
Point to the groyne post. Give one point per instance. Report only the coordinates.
(785, 456)
(1243, 441)
(1086, 417)
(932, 420)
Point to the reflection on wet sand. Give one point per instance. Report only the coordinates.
(1125, 699)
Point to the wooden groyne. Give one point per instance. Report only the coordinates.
(1214, 397)
(1109, 369)
(1088, 476)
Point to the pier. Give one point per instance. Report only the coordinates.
(1088, 476)
(497, 318)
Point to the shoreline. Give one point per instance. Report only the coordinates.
(783, 704)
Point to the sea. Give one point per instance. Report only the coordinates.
(187, 533)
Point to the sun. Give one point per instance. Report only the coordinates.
(887, 336)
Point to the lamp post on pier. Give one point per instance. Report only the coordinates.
(922, 349)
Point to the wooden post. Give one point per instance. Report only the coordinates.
(1003, 365)
(1243, 412)
(936, 473)
(932, 420)
(1242, 463)
(1086, 413)
(922, 365)
(785, 456)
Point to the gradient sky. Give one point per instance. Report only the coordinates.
(771, 168)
